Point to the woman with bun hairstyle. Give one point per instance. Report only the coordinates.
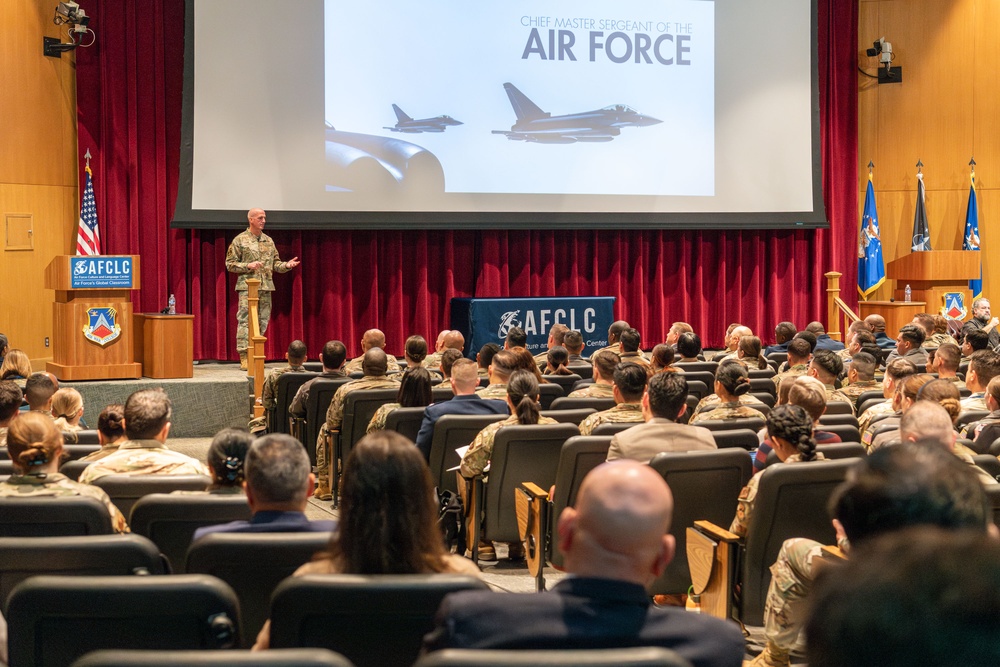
(36, 446)
(790, 430)
(732, 399)
(110, 431)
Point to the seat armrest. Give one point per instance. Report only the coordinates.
(716, 532)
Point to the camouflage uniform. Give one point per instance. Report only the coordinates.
(623, 413)
(246, 249)
(865, 420)
(792, 577)
(976, 401)
(635, 358)
(432, 361)
(3, 436)
(143, 457)
(725, 411)
(891, 436)
(334, 418)
(935, 341)
(957, 381)
(298, 405)
(596, 390)
(59, 485)
(354, 365)
(493, 391)
(378, 419)
(852, 391)
(713, 401)
(744, 506)
(793, 372)
(966, 454)
(834, 395)
(269, 394)
(105, 451)
(974, 429)
(478, 456)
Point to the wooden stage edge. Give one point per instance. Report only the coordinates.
(217, 397)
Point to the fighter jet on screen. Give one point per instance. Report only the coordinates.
(539, 126)
(406, 124)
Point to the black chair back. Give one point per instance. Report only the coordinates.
(288, 383)
(613, 428)
(579, 455)
(520, 454)
(847, 432)
(320, 396)
(289, 657)
(646, 656)
(169, 519)
(780, 357)
(867, 396)
(767, 400)
(699, 389)
(6, 467)
(759, 373)
(53, 620)
(547, 393)
(52, 516)
(791, 502)
(836, 420)
(73, 469)
(84, 437)
(832, 451)
(989, 463)
(377, 621)
(451, 432)
(405, 421)
(705, 377)
(567, 416)
(585, 370)
(89, 555)
(359, 408)
(753, 423)
(705, 486)
(763, 384)
(839, 408)
(567, 403)
(688, 367)
(993, 493)
(969, 416)
(441, 393)
(742, 438)
(253, 564)
(125, 490)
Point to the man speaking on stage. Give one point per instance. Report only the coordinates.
(252, 254)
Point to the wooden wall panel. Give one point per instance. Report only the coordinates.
(946, 110)
(38, 171)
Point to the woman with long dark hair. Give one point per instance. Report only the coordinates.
(414, 392)
(388, 518)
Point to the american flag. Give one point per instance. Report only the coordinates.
(88, 238)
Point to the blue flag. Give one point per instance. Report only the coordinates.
(871, 267)
(921, 232)
(971, 241)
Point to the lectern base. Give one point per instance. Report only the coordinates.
(109, 372)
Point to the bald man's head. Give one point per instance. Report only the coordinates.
(375, 362)
(454, 340)
(875, 322)
(927, 420)
(618, 529)
(372, 338)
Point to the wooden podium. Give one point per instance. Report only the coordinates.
(932, 274)
(92, 317)
(164, 344)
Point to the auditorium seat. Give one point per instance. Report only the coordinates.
(287, 385)
(170, 519)
(613, 428)
(547, 393)
(763, 384)
(450, 433)
(289, 657)
(520, 454)
(839, 408)
(698, 388)
(125, 490)
(564, 381)
(537, 511)
(405, 421)
(73, 469)
(567, 403)
(377, 621)
(832, 451)
(705, 486)
(742, 438)
(585, 370)
(759, 373)
(84, 437)
(791, 502)
(767, 400)
(834, 420)
(706, 377)
(847, 432)
(568, 416)
(968, 417)
(867, 396)
(646, 656)
(52, 620)
(989, 463)
(320, 396)
(755, 424)
(253, 564)
(688, 367)
(88, 555)
(52, 516)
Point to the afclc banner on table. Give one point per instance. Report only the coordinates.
(488, 320)
(101, 272)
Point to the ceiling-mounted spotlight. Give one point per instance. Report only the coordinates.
(69, 14)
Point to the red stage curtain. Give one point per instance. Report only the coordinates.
(129, 94)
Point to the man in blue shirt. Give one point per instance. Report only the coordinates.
(278, 486)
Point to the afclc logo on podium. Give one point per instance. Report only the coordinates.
(101, 272)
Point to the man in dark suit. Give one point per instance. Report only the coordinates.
(464, 380)
(823, 340)
(615, 544)
(278, 485)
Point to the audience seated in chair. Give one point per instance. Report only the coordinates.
(414, 392)
(944, 584)
(895, 373)
(332, 357)
(732, 399)
(984, 365)
(688, 347)
(278, 485)
(783, 334)
(911, 484)
(945, 361)
(38, 391)
(11, 397)
(748, 351)
(16, 367)
(110, 431)
(986, 430)
(615, 543)
(147, 423)
(226, 459)
(860, 376)
(35, 446)
(388, 518)
(663, 403)
(464, 381)
(799, 353)
(809, 394)
(67, 410)
(629, 387)
(447, 340)
(604, 361)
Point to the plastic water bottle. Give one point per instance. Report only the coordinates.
(172, 302)
(907, 294)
